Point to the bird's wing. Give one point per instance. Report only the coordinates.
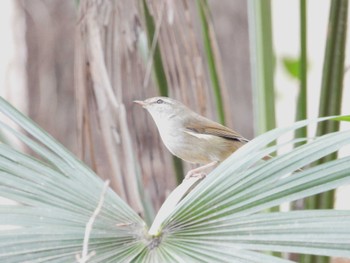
(208, 127)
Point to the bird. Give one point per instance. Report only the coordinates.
(190, 136)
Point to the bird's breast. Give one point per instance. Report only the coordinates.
(198, 148)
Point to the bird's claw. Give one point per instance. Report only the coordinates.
(195, 175)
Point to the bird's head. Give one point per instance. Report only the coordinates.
(162, 107)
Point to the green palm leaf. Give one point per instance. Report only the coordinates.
(221, 220)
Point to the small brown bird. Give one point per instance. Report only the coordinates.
(190, 136)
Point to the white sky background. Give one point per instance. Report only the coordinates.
(286, 43)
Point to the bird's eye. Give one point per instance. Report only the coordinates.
(160, 101)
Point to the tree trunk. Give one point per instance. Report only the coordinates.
(50, 78)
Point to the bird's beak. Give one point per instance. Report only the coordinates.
(140, 102)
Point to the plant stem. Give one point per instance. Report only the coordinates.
(331, 92)
(203, 9)
(263, 69)
(263, 65)
(301, 112)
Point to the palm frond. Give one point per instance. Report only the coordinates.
(222, 219)
(56, 199)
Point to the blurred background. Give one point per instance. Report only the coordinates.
(75, 67)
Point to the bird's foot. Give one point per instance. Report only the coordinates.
(198, 172)
(194, 174)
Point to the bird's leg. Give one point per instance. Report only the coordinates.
(198, 172)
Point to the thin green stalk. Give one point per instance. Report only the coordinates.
(301, 113)
(179, 171)
(331, 92)
(263, 68)
(157, 56)
(160, 76)
(333, 70)
(332, 82)
(263, 64)
(203, 9)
